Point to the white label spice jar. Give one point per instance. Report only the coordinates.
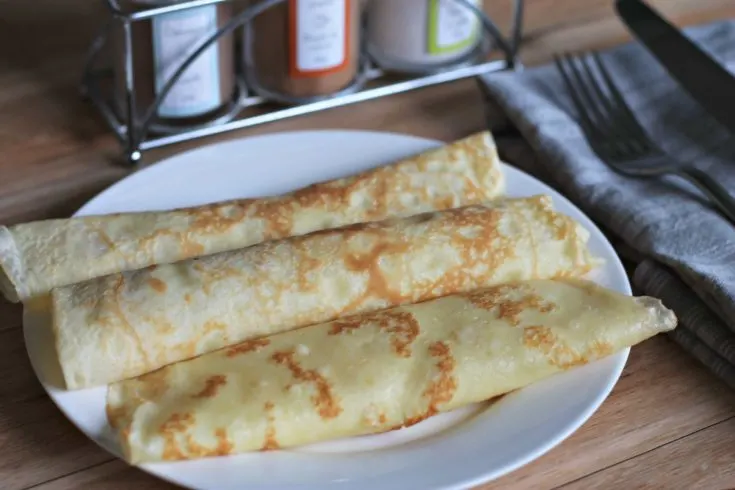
(162, 43)
(197, 90)
(420, 33)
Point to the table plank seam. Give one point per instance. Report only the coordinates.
(538, 33)
(80, 470)
(576, 480)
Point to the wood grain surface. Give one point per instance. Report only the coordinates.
(667, 424)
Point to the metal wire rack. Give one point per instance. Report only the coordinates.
(140, 130)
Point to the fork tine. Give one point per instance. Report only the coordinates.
(594, 99)
(587, 124)
(609, 141)
(608, 110)
(634, 128)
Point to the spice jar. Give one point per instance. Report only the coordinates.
(419, 35)
(304, 48)
(160, 44)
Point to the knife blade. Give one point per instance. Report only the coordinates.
(708, 82)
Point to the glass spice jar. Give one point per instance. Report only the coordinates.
(304, 48)
(419, 35)
(160, 44)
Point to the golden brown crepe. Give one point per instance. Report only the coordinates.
(127, 324)
(37, 256)
(374, 372)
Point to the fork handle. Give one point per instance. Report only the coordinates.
(719, 196)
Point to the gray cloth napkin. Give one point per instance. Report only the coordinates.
(684, 249)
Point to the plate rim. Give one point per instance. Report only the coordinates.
(164, 165)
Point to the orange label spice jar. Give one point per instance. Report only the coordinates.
(305, 48)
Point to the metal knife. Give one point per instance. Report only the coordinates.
(701, 76)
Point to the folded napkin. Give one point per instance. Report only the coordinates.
(683, 248)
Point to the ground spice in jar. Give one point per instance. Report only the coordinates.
(305, 48)
(420, 33)
(160, 45)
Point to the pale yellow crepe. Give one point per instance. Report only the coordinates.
(376, 371)
(130, 323)
(37, 256)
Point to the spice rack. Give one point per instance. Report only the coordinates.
(139, 130)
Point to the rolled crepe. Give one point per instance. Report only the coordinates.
(374, 372)
(38, 256)
(130, 323)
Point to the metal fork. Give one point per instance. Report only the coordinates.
(617, 137)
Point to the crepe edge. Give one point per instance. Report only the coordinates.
(496, 176)
(13, 284)
(56, 319)
(74, 379)
(664, 319)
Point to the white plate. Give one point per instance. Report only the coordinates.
(453, 450)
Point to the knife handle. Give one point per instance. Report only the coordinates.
(719, 196)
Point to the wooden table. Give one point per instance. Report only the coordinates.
(667, 424)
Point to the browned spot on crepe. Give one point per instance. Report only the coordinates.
(562, 228)
(564, 357)
(373, 417)
(187, 350)
(442, 388)
(345, 325)
(305, 265)
(332, 196)
(270, 443)
(539, 337)
(187, 298)
(111, 297)
(211, 274)
(377, 285)
(115, 415)
(154, 384)
(566, 274)
(222, 448)
(278, 217)
(157, 285)
(420, 418)
(247, 346)
(176, 427)
(169, 430)
(601, 349)
(191, 249)
(211, 386)
(109, 243)
(163, 326)
(481, 246)
(324, 401)
(558, 353)
(401, 325)
(219, 217)
(408, 422)
(212, 325)
(496, 298)
(177, 423)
